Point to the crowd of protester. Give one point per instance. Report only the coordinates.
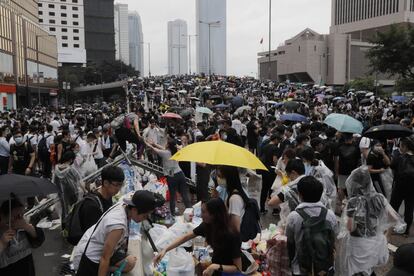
(313, 170)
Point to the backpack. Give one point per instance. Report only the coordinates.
(316, 251)
(118, 122)
(72, 229)
(42, 149)
(250, 222)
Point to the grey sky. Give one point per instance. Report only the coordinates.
(247, 23)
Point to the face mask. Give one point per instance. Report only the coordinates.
(308, 144)
(224, 137)
(18, 140)
(221, 182)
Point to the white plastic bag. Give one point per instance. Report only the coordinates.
(89, 166)
(181, 229)
(387, 177)
(157, 232)
(180, 263)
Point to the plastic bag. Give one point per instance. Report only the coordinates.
(387, 178)
(180, 263)
(157, 232)
(89, 166)
(181, 229)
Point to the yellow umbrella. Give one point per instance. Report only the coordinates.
(219, 153)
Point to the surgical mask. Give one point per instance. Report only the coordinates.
(18, 140)
(308, 168)
(221, 182)
(224, 137)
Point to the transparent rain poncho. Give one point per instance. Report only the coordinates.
(365, 219)
(67, 180)
(322, 173)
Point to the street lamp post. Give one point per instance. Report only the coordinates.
(189, 50)
(270, 40)
(149, 57)
(209, 44)
(100, 74)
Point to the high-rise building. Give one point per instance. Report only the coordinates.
(121, 26)
(340, 56)
(65, 20)
(211, 39)
(136, 40)
(177, 47)
(99, 30)
(28, 57)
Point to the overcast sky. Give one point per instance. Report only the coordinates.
(247, 23)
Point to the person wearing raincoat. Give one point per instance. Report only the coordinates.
(365, 219)
(318, 169)
(67, 180)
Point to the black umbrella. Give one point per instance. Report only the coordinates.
(388, 131)
(237, 101)
(365, 102)
(24, 186)
(291, 104)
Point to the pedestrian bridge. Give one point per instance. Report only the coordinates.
(100, 87)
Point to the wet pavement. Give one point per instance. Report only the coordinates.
(52, 257)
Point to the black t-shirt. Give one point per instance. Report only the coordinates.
(90, 212)
(376, 161)
(349, 158)
(268, 152)
(403, 167)
(225, 250)
(21, 157)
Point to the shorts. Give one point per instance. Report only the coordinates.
(341, 181)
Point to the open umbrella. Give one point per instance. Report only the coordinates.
(242, 109)
(219, 153)
(365, 102)
(400, 99)
(170, 115)
(204, 110)
(221, 106)
(237, 101)
(271, 102)
(388, 131)
(293, 117)
(24, 186)
(186, 112)
(195, 99)
(338, 99)
(291, 104)
(344, 123)
(369, 94)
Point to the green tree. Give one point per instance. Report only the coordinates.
(393, 52)
(363, 84)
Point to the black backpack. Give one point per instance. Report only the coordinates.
(316, 251)
(250, 222)
(72, 229)
(42, 150)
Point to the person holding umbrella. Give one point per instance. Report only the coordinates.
(17, 238)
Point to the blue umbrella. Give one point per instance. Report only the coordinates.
(237, 101)
(401, 99)
(344, 123)
(204, 110)
(294, 117)
(221, 106)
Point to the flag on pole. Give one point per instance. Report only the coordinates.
(261, 41)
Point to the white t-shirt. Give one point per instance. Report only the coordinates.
(236, 206)
(115, 219)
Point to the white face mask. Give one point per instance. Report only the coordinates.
(221, 182)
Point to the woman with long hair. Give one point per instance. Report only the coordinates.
(175, 176)
(219, 234)
(237, 197)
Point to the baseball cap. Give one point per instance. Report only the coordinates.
(403, 261)
(144, 201)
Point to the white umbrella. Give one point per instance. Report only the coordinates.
(369, 94)
(271, 102)
(204, 110)
(182, 91)
(242, 109)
